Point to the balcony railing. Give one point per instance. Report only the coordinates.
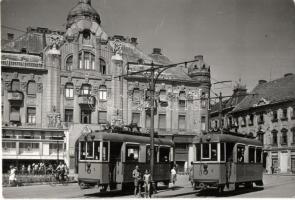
(12, 63)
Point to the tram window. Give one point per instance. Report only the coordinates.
(82, 150)
(258, 155)
(148, 153)
(214, 151)
(240, 154)
(164, 154)
(198, 153)
(222, 158)
(89, 147)
(251, 154)
(132, 153)
(97, 150)
(205, 151)
(105, 151)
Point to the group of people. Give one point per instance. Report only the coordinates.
(145, 181)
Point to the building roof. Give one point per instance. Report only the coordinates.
(239, 93)
(276, 91)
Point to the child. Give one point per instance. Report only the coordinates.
(147, 181)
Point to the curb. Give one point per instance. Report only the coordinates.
(279, 174)
(40, 183)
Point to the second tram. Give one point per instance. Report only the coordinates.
(224, 161)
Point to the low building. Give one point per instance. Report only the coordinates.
(269, 115)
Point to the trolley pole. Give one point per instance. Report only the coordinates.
(152, 99)
(220, 113)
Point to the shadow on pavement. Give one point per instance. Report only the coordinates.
(239, 191)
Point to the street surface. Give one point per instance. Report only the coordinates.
(274, 186)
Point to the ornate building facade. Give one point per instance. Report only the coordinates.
(56, 83)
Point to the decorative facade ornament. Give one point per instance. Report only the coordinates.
(55, 40)
(95, 90)
(39, 87)
(77, 89)
(32, 76)
(54, 120)
(130, 94)
(15, 75)
(103, 81)
(23, 86)
(7, 85)
(69, 79)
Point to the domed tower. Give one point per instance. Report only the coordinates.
(83, 10)
(199, 70)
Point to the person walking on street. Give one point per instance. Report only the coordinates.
(173, 176)
(12, 176)
(136, 177)
(29, 169)
(191, 178)
(147, 183)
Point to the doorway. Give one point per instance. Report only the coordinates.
(115, 159)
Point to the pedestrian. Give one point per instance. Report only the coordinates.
(147, 183)
(191, 170)
(29, 169)
(12, 176)
(23, 169)
(136, 177)
(173, 176)
(272, 169)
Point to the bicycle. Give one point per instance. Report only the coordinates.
(59, 178)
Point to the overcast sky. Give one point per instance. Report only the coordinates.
(247, 39)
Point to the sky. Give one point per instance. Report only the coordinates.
(240, 39)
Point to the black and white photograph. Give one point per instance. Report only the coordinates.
(147, 99)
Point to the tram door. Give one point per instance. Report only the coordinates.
(115, 159)
(229, 161)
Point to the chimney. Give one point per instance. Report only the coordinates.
(261, 82)
(157, 51)
(134, 41)
(10, 36)
(288, 74)
(199, 57)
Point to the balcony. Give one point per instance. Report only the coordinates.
(22, 64)
(86, 100)
(15, 96)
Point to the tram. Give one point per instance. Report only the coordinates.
(107, 159)
(225, 161)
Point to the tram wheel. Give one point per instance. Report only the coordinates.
(249, 185)
(220, 188)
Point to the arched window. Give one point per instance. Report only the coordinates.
(69, 63)
(31, 89)
(86, 60)
(274, 137)
(69, 90)
(85, 89)
(15, 85)
(103, 93)
(102, 66)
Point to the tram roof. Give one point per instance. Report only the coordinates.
(210, 138)
(119, 137)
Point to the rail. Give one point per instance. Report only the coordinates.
(13, 63)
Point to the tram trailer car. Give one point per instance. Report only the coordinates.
(108, 160)
(224, 162)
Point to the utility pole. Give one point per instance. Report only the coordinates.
(152, 98)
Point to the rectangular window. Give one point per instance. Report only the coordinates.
(69, 91)
(164, 153)
(7, 146)
(105, 151)
(55, 148)
(82, 150)
(214, 151)
(31, 115)
(251, 154)
(203, 123)
(85, 116)
(275, 116)
(222, 152)
(30, 148)
(97, 150)
(241, 154)
(136, 118)
(69, 115)
(162, 121)
(260, 119)
(251, 120)
(136, 95)
(284, 114)
(258, 155)
(147, 120)
(181, 122)
(205, 151)
(198, 152)
(181, 103)
(132, 153)
(102, 117)
(14, 114)
(243, 123)
(103, 95)
(89, 149)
